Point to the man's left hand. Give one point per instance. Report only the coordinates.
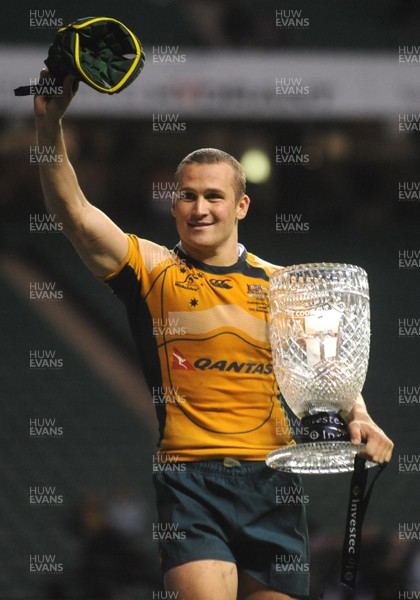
(363, 429)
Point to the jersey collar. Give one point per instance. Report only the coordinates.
(179, 250)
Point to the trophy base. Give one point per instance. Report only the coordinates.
(316, 458)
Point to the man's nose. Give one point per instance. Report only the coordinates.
(200, 206)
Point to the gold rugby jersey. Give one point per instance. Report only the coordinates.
(203, 340)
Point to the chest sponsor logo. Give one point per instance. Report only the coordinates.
(179, 362)
(204, 364)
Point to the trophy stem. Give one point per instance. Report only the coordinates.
(324, 427)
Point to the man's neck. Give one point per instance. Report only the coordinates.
(225, 259)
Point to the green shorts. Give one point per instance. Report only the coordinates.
(247, 514)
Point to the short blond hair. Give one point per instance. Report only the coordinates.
(211, 156)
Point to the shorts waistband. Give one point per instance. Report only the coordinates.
(224, 467)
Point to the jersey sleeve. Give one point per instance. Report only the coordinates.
(132, 258)
(137, 272)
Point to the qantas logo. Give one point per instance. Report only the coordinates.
(180, 362)
(236, 367)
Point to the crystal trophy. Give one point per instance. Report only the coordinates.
(320, 335)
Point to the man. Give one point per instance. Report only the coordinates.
(211, 357)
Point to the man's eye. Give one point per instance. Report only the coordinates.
(187, 196)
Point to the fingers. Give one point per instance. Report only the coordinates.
(378, 445)
(377, 452)
(44, 74)
(47, 83)
(354, 431)
(54, 96)
(68, 87)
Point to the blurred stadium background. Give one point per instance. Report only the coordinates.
(352, 189)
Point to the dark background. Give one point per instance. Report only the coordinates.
(350, 201)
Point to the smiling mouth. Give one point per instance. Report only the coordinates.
(197, 225)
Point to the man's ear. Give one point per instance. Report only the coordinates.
(173, 203)
(242, 207)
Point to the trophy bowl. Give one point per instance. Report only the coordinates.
(320, 336)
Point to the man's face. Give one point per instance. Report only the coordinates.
(207, 210)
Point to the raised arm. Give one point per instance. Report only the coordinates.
(100, 243)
